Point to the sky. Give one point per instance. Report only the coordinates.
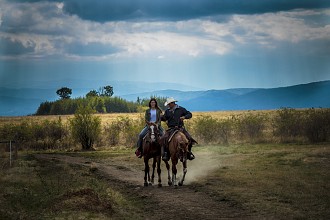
(206, 44)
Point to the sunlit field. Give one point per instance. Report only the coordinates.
(110, 117)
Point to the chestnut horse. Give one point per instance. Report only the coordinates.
(152, 149)
(178, 147)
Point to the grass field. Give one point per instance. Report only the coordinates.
(109, 117)
(268, 181)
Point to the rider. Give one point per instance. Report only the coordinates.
(152, 117)
(174, 115)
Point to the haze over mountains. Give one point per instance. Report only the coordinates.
(23, 101)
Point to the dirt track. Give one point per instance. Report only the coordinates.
(186, 202)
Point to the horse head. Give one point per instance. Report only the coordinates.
(182, 146)
(153, 133)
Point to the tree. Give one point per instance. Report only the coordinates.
(92, 93)
(64, 92)
(108, 91)
(85, 127)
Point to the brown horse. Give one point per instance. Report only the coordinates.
(178, 147)
(152, 149)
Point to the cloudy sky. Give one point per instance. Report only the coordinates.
(208, 44)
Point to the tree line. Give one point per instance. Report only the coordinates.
(101, 101)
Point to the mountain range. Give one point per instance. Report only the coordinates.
(17, 102)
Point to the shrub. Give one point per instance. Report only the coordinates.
(250, 126)
(224, 130)
(112, 132)
(85, 127)
(317, 125)
(288, 124)
(205, 129)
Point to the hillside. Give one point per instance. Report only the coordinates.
(299, 96)
(15, 102)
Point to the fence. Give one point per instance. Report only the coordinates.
(12, 148)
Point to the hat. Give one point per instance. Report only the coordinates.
(169, 100)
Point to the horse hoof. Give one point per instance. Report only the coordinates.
(180, 183)
(145, 184)
(170, 183)
(150, 184)
(160, 185)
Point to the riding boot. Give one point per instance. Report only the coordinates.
(139, 150)
(190, 155)
(165, 154)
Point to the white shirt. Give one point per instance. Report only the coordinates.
(153, 115)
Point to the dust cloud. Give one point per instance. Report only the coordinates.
(202, 166)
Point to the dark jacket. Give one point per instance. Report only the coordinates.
(173, 116)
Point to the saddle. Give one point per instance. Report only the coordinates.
(173, 131)
(172, 134)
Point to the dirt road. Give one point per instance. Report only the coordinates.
(167, 202)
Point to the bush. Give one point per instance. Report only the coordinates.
(250, 126)
(209, 130)
(288, 124)
(205, 129)
(225, 130)
(112, 132)
(85, 127)
(317, 125)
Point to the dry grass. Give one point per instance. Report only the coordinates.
(109, 117)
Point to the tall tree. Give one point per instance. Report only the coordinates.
(108, 91)
(64, 92)
(92, 93)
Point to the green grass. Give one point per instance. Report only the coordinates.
(276, 180)
(38, 189)
(273, 180)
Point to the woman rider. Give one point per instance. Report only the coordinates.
(152, 117)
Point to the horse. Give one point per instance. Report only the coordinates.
(178, 147)
(152, 149)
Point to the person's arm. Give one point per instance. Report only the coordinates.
(147, 116)
(164, 117)
(185, 114)
(159, 116)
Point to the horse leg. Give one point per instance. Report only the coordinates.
(146, 171)
(184, 164)
(174, 171)
(159, 171)
(168, 173)
(153, 171)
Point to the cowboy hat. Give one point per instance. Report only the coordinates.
(169, 100)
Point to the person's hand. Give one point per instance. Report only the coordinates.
(182, 118)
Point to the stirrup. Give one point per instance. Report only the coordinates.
(191, 156)
(165, 157)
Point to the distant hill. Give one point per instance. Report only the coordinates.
(26, 101)
(300, 96)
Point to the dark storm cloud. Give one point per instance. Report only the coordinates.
(114, 10)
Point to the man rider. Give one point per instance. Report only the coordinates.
(174, 116)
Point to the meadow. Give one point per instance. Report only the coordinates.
(244, 168)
